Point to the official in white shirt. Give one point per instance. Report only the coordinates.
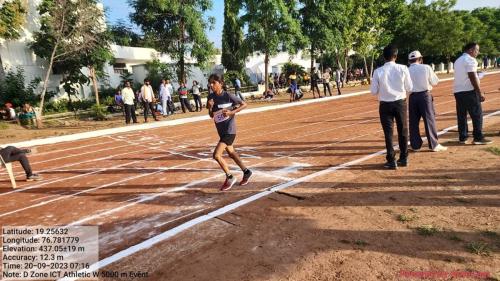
(420, 103)
(390, 83)
(128, 102)
(147, 97)
(468, 95)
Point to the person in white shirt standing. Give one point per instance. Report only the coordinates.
(390, 83)
(128, 98)
(147, 97)
(421, 105)
(468, 95)
(165, 97)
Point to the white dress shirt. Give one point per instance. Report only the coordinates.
(391, 82)
(128, 96)
(463, 65)
(422, 77)
(164, 92)
(147, 93)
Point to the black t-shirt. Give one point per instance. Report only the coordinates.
(224, 125)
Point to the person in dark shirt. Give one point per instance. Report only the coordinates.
(222, 107)
(12, 154)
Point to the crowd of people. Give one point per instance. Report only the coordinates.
(392, 83)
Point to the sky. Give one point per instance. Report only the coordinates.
(120, 10)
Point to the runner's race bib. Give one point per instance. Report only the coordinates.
(219, 117)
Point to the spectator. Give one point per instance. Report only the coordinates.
(147, 97)
(183, 98)
(293, 85)
(338, 79)
(10, 113)
(128, 98)
(326, 81)
(314, 82)
(237, 88)
(195, 90)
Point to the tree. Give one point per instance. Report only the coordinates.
(377, 21)
(233, 56)
(69, 28)
(271, 28)
(176, 28)
(433, 29)
(487, 33)
(12, 17)
(320, 21)
(123, 35)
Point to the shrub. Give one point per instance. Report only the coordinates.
(98, 112)
(14, 90)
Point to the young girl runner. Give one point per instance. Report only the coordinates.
(222, 107)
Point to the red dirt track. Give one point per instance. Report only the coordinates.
(140, 184)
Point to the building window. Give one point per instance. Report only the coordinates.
(120, 68)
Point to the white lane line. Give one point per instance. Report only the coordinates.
(189, 224)
(149, 197)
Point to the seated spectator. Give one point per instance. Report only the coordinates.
(10, 113)
(11, 154)
(269, 95)
(27, 115)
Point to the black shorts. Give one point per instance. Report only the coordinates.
(228, 139)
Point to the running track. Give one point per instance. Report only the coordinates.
(139, 184)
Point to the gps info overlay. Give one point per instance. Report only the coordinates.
(48, 252)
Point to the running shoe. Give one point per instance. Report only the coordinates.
(439, 148)
(33, 177)
(246, 177)
(482, 141)
(228, 183)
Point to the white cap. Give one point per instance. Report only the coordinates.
(414, 55)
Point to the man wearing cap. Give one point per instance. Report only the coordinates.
(468, 95)
(390, 83)
(421, 103)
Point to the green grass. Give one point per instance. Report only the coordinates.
(3, 126)
(405, 218)
(427, 230)
(479, 248)
(493, 149)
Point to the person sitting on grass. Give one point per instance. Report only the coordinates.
(12, 154)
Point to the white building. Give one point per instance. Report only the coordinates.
(17, 54)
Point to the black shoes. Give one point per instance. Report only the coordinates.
(391, 165)
(403, 162)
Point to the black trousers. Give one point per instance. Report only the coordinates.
(338, 87)
(469, 102)
(148, 106)
(197, 101)
(421, 107)
(130, 112)
(314, 85)
(327, 86)
(13, 154)
(185, 104)
(390, 111)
